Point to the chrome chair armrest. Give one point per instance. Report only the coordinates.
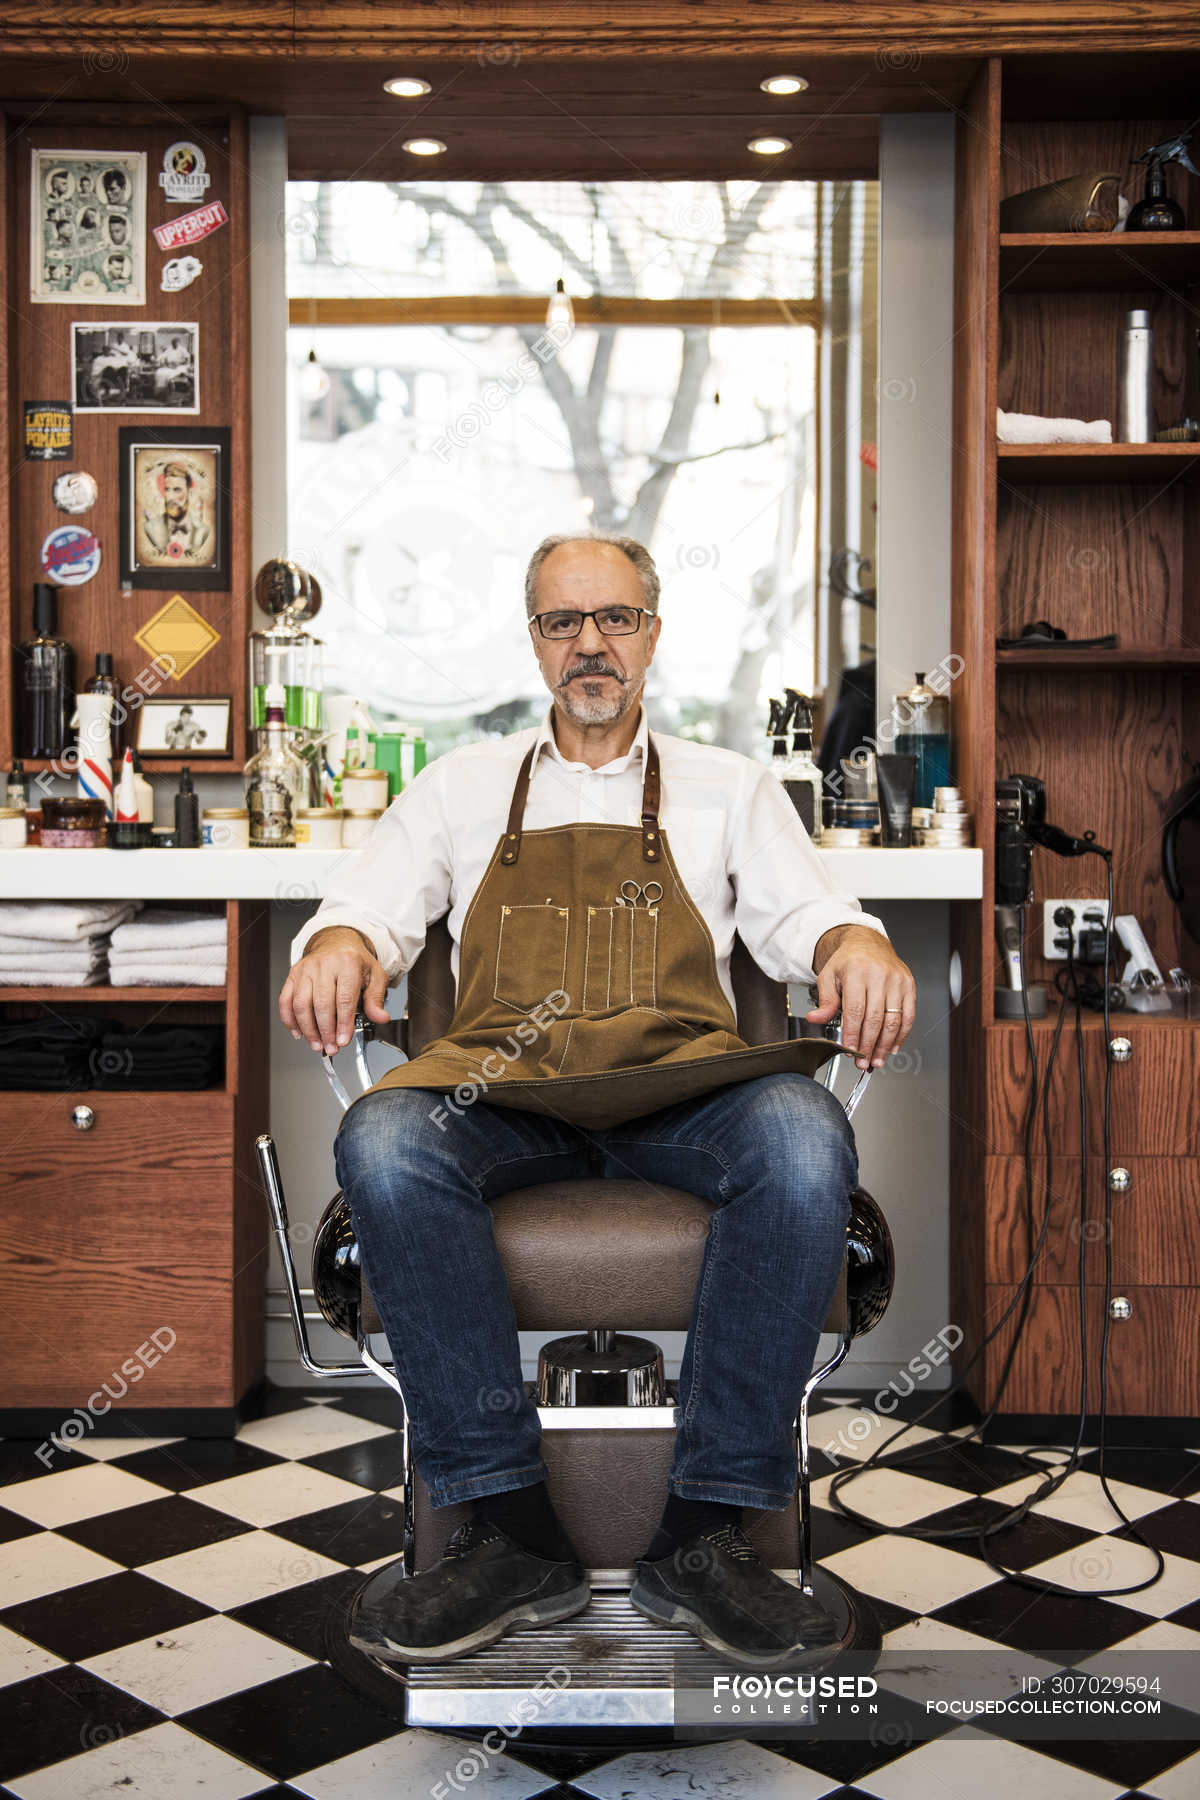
(394, 1032)
(832, 1030)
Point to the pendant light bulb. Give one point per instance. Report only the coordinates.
(314, 380)
(560, 311)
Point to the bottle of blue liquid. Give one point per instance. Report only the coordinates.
(921, 725)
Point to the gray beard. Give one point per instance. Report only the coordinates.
(583, 708)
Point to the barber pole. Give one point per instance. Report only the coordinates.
(93, 720)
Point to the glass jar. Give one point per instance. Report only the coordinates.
(358, 826)
(319, 828)
(225, 828)
(921, 728)
(365, 789)
(12, 827)
(73, 823)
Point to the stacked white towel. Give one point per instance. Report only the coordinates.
(51, 943)
(1031, 428)
(163, 948)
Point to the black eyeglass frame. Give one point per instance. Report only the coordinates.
(566, 637)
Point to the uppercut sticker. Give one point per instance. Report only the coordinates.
(183, 177)
(70, 555)
(189, 228)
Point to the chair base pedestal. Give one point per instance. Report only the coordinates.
(621, 1666)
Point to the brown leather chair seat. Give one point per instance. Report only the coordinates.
(605, 1252)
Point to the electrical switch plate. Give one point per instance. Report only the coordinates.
(1086, 913)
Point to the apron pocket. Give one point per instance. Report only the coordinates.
(621, 962)
(531, 955)
(644, 957)
(598, 972)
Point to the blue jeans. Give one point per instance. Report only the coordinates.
(775, 1156)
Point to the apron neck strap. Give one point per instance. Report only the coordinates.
(651, 797)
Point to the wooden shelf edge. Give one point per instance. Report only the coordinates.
(1094, 1021)
(99, 993)
(1097, 240)
(154, 765)
(1136, 656)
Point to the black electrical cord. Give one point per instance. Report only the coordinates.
(1056, 1475)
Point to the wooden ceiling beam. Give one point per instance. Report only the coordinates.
(281, 28)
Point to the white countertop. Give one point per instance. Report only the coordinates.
(298, 875)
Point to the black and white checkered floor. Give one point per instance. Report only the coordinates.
(161, 1607)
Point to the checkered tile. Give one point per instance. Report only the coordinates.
(162, 1604)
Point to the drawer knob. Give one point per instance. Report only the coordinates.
(83, 1118)
(1119, 1049)
(1120, 1308)
(1119, 1181)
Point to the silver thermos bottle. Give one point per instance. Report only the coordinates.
(1134, 421)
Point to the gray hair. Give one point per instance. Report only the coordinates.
(637, 553)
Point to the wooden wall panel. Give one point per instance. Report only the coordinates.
(1108, 747)
(1059, 353)
(99, 615)
(971, 633)
(1094, 560)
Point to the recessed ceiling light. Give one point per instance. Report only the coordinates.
(769, 146)
(424, 146)
(406, 87)
(783, 84)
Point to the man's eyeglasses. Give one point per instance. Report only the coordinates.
(613, 621)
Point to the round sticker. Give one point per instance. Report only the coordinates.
(179, 273)
(183, 175)
(75, 492)
(70, 555)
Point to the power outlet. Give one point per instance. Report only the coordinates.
(1084, 913)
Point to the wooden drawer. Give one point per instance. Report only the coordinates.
(1155, 1224)
(1153, 1094)
(1153, 1356)
(110, 1235)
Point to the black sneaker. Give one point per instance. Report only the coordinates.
(484, 1585)
(718, 1587)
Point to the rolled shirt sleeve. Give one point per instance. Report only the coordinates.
(786, 899)
(394, 888)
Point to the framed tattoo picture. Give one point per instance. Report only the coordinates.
(182, 727)
(88, 227)
(120, 367)
(174, 500)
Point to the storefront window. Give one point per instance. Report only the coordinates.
(428, 455)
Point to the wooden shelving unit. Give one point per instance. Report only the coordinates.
(1099, 539)
(151, 1217)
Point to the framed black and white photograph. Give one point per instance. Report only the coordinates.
(187, 728)
(88, 227)
(121, 367)
(174, 506)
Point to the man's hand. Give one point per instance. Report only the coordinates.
(320, 997)
(860, 974)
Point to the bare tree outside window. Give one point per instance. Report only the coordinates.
(443, 447)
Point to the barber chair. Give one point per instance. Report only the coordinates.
(602, 1261)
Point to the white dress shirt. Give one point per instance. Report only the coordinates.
(737, 840)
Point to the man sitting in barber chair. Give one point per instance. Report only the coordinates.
(595, 877)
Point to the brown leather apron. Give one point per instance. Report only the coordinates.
(587, 985)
